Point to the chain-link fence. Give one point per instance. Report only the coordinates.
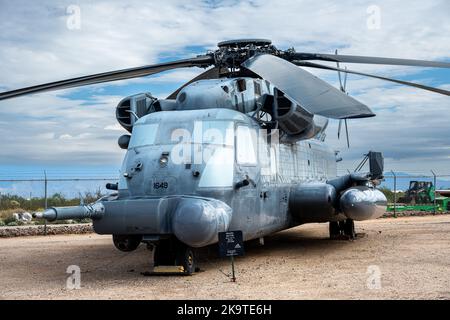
(416, 192)
(31, 192)
(404, 191)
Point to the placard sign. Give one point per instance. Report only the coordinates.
(231, 244)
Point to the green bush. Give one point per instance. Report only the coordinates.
(12, 224)
(9, 219)
(2, 223)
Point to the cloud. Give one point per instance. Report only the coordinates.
(78, 126)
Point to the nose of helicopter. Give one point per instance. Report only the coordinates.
(197, 222)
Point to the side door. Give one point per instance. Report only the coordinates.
(246, 199)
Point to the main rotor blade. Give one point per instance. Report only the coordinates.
(406, 83)
(367, 60)
(212, 73)
(313, 94)
(200, 61)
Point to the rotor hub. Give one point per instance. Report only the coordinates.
(240, 43)
(232, 53)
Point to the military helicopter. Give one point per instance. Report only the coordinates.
(239, 147)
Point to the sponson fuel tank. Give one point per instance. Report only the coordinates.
(363, 203)
(322, 202)
(311, 201)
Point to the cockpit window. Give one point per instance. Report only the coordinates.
(143, 135)
(214, 132)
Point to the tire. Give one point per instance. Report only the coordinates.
(127, 243)
(349, 228)
(335, 230)
(186, 258)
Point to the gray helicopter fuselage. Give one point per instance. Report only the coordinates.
(227, 154)
(155, 167)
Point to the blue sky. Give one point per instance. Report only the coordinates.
(75, 130)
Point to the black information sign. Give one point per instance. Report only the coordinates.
(231, 244)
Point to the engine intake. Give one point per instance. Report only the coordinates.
(130, 109)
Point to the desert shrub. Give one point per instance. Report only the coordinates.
(14, 204)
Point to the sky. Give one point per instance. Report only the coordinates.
(74, 132)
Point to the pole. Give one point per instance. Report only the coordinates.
(233, 278)
(395, 194)
(434, 198)
(45, 199)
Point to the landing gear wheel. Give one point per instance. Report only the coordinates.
(349, 228)
(342, 229)
(126, 243)
(335, 230)
(186, 258)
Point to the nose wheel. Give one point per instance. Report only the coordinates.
(174, 253)
(185, 257)
(342, 229)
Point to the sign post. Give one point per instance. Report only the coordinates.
(231, 244)
(233, 277)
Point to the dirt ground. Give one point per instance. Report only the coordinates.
(410, 255)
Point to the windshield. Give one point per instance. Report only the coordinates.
(199, 132)
(143, 135)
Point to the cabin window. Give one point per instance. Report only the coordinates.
(257, 89)
(241, 85)
(246, 145)
(273, 162)
(143, 135)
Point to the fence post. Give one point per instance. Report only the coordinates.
(395, 193)
(435, 187)
(45, 200)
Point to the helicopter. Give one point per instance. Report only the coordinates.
(239, 147)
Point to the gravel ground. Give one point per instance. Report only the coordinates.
(412, 255)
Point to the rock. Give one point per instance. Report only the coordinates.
(23, 217)
(31, 230)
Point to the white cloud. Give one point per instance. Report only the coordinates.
(114, 127)
(36, 46)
